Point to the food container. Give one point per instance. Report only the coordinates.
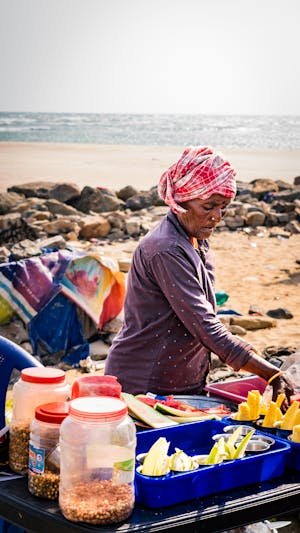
(196, 439)
(236, 390)
(96, 386)
(97, 446)
(37, 385)
(44, 455)
(294, 457)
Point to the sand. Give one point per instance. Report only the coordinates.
(115, 166)
(252, 270)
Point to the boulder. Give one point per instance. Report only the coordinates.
(237, 330)
(297, 181)
(255, 218)
(124, 264)
(234, 222)
(288, 196)
(8, 200)
(41, 189)
(126, 192)
(293, 226)
(58, 208)
(132, 227)
(113, 326)
(61, 225)
(97, 200)
(280, 312)
(64, 192)
(139, 201)
(25, 248)
(94, 227)
(262, 186)
(11, 220)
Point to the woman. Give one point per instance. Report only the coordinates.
(170, 324)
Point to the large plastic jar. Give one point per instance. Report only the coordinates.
(37, 385)
(44, 454)
(97, 446)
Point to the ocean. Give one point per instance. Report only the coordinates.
(228, 131)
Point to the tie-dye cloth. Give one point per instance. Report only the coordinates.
(199, 173)
(46, 290)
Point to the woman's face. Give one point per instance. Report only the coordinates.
(203, 215)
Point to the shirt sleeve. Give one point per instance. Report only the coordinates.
(178, 280)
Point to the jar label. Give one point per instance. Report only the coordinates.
(36, 459)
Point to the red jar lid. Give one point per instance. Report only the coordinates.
(54, 412)
(98, 408)
(40, 374)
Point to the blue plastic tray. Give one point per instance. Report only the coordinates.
(196, 438)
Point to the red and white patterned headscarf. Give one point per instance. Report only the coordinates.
(199, 173)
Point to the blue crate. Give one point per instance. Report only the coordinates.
(294, 458)
(196, 438)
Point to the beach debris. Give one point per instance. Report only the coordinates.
(280, 312)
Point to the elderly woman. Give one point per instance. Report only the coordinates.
(170, 325)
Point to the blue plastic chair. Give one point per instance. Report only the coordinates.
(11, 356)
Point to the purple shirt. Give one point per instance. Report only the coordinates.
(170, 324)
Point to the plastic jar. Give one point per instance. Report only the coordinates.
(36, 386)
(44, 454)
(97, 446)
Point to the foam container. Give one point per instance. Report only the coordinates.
(237, 389)
(195, 439)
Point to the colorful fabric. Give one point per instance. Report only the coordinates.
(54, 285)
(199, 173)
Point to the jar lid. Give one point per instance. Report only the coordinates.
(54, 412)
(40, 374)
(98, 408)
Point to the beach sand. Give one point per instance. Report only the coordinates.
(115, 166)
(253, 270)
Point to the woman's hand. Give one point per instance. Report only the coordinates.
(282, 384)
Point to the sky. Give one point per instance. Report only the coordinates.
(150, 56)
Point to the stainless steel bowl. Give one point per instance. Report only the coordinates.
(256, 446)
(141, 458)
(218, 436)
(244, 429)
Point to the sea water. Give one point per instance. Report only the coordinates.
(228, 131)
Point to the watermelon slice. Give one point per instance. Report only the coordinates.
(145, 413)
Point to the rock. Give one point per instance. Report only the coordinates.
(15, 331)
(280, 312)
(117, 219)
(288, 196)
(132, 227)
(58, 208)
(255, 218)
(139, 201)
(234, 222)
(215, 362)
(155, 198)
(157, 212)
(282, 218)
(94, 227)
(61, 225)
(284, 185)
(279, 351)
(4, 254)
(97, 200)
(253, 322)
(126, 192)
(9, 221)
(25, 248)
(124, 264)
(113, 326)
(279, 233)
(237, 330)
(37, 204)
(57, 243)
(261, 186)
(293, 226)
(38, 215)
(109, 340)
(40, 189)
(283, 207)
(64, 192)
(8, 201)
(297, 181)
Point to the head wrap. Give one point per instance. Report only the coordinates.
(199, 173)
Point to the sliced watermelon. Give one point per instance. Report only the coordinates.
(145, 413)
(165, 409)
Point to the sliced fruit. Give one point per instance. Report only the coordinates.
(156, 462)
(288, 420)
(230, 444)
(181, 462)
(218, 453)
(145, 413)
(241, 448)
(167, 410)
(184, 419)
